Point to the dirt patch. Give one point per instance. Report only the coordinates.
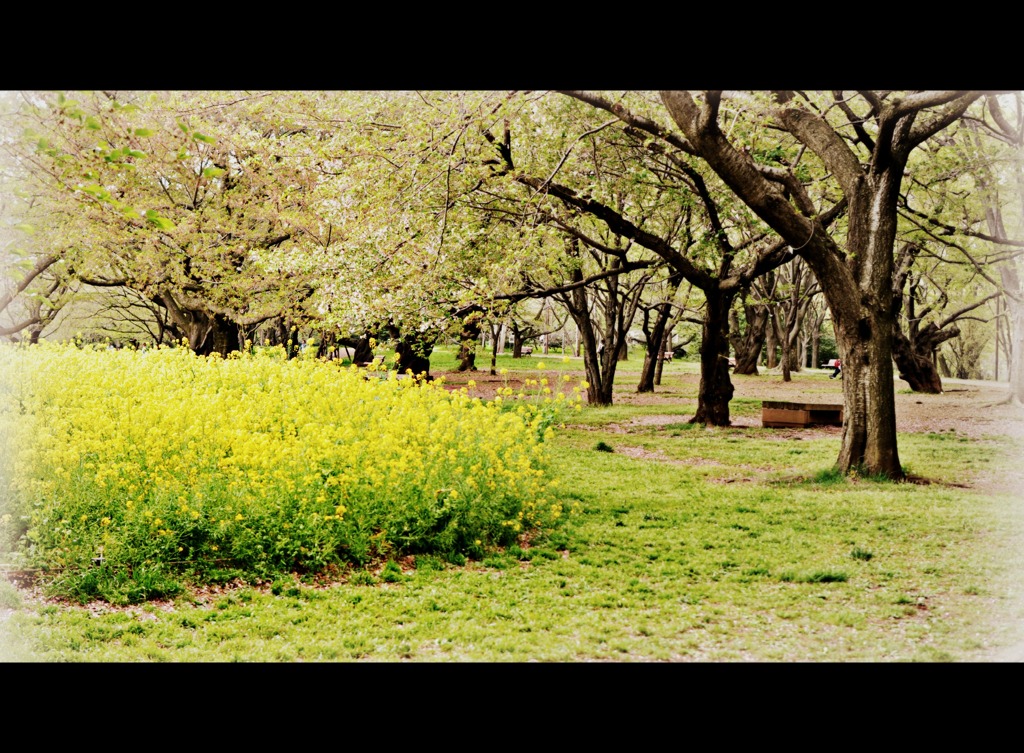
(484, 385)
(973, 408)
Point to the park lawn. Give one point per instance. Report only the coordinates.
(693, 544)
(669, 562)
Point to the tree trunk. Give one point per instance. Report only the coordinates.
(749, 345)
(517, 342)
(916, 358)
(772, 339)
(361, 350)
(598, 363)
(413, 353)
(599, 390)
(815, 344)
(666, 348)
(499, 338)
(469, 334)
(655, 351)
(869, 437)
(1015, 307)
(716, 388)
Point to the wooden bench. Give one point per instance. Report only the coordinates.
(775, 414)
(666, 356)
(527, 352)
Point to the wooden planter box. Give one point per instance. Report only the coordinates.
(776, 414)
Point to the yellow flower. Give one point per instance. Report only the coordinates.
(104, 521)
(540, 365)
(471, 383)
(238, 516)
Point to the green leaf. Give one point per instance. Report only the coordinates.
(98, 191)
(136, 153)
(25, 228)
(144, 131)
(92, 123)
(156, 219)
(213, 172)
(183, 127)
(204, 138)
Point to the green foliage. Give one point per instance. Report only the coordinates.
(827, 347)
(392, 573)
(9, 596)
(362, 578)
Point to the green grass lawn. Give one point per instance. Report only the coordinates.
(693, 544)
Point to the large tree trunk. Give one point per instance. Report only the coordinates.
(207, 333)
(716, 388)
(222, 337)
(869, 423)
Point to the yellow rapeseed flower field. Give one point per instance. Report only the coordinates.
(121, 463)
